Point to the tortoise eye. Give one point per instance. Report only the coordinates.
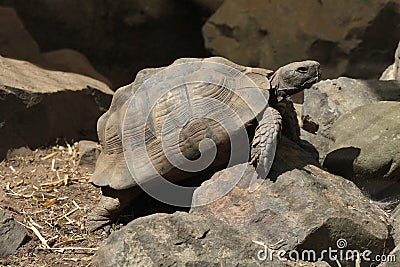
(302, 69)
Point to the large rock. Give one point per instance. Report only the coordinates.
(327, 100)
(12, 234)
(355, 38)
(38, 106)
(181, 239)
(366, 147)
(393, 71)
(305, 209)
(178, 239)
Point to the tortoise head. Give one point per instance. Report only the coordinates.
(295, 77)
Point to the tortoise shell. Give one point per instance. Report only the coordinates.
(170, 110)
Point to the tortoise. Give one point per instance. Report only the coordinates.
(259, 98)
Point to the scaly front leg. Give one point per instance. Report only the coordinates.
(265, 141)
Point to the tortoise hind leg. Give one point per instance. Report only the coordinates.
(265, 140)
(110, 206)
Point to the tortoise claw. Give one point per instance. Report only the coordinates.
(103, 214)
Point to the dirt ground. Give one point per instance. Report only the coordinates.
(48, 191)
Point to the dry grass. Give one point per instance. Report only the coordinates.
(49, 194)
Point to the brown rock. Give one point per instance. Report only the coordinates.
(38, 106)
(182, 239)
(304, 209)
(352, 38)
(179, 239)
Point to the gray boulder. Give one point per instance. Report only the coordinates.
(37, 106)
(272, 33)
(181, 239)
(393, 71)
(366, 148)
(327, 100)
(304, 209)
(12, 235)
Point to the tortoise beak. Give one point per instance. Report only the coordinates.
(308, 83)
(313, 79)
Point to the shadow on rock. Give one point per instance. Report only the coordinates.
(341, 161)
(290, 156)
